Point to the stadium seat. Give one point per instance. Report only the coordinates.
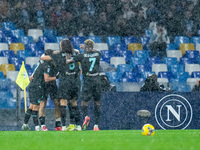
(153, 60)
(18, 33)
(53, 46)
(118, 47)
(32, 60)
(110, 40)
(182, 76)
(141, 54)
(1, 75)
(170, 61)
(195, 40)
(121, 68)
(142, 68)
(186, 46)
(5, 85)
(146, 74)
(135, 46)
(136, 61)
(60, 38)
(126, 54)
(130, 76)
(192, 82)
(77, 40)
(50, 33)
(177, 68)
(23, 54)
(42, 40)
(1, 35)
(198, 47)
(33, 48)
(148, 33)
(193, 54)
(96, 39)
(183, 88)
(181, 39)
(185, 60)
(106, 55)
(17, 46)
(195, 74)
(7, 53)
(3, 46)
(7, 67)
(7, 27)
(9, 40)
(35, 33)
(112, 76)
(101, 46)
(39, 53)
(191, 68)
(27, 66)
(129, 39)
(171, 46)
(3, 60)
(145, 41)
(163, 81)
(165, 74)
(12, 75)
(26, 40)
(117, 60)
(16, 61)
(159, 67)
(174, 53)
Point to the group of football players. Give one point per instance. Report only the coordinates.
(67, 65)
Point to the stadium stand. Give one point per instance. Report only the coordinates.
(110, 40)
(53, 46)
(117, 60)
(191, 68)
(12, 75)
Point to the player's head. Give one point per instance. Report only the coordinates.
(66, 46)
(88, 45)
(48, 52)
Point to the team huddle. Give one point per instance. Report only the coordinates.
(67, 65)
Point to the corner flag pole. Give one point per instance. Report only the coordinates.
(25, 104)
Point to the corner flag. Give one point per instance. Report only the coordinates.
(22, 78)
(23, 81)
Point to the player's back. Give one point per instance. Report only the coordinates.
(91, 63)
(38, 74)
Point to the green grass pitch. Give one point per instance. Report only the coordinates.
(100, 140)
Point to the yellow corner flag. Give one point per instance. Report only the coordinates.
(23, 81)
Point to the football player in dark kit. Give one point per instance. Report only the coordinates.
(36, 94)
(90, 63)
(50, 73)
(69, 84)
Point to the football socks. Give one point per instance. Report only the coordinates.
(27, 116)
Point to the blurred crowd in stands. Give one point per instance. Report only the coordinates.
(104, 17)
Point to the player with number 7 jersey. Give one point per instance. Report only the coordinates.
(90, 63)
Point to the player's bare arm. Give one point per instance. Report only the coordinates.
(47, 78)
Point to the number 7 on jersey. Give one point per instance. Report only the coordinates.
(93, 60)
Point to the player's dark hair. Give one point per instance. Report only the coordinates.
(66, 46)
(48, 52)
(89, 45)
